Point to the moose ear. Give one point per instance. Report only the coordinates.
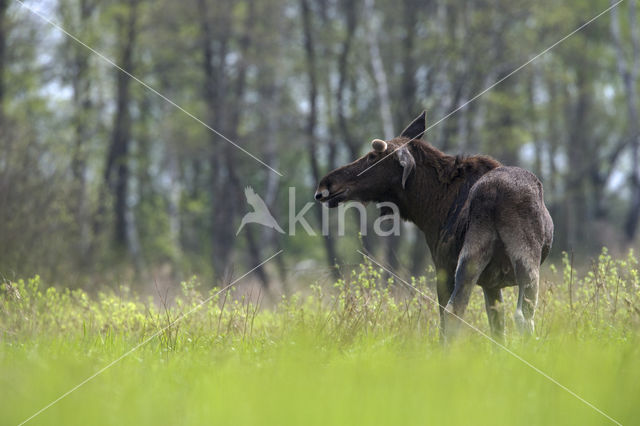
(416, 128)
(379, 145)
(407, 162)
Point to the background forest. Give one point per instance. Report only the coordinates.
(102, 178)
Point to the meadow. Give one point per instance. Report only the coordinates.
(363, 351)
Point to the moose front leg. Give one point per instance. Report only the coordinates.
(444, 287)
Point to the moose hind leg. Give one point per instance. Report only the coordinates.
(495, 311)
(474, 257)
(527, 277)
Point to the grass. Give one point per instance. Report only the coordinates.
(363, 352)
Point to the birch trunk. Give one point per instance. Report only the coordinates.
(379, 74)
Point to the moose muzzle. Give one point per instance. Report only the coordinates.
(322, 194)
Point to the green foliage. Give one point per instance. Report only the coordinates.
(603, 302)
(364, 350)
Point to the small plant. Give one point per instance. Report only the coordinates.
(366, 304)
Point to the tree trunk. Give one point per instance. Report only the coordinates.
(246, 40)
(576, 198)
(226, 115)
(384, 105)
(312, 120)
(629, 76)
(351, 23)
(555, 139)
(271, 93)
(4, 4)
(223, 200)
(353, 144)
(533, 113)
(117, 170)
(173, 204)
(81, 88)
(503, 122)
(379, 74)
(408, 109)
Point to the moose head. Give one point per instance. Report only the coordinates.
(374, 177)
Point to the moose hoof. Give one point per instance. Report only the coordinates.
(451, 323)
(524, 326)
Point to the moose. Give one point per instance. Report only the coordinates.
(484, 223)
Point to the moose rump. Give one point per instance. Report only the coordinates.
(484, 223)
(508, 236)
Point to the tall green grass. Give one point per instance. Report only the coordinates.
(365, 351)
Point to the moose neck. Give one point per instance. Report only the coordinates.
(435, 195)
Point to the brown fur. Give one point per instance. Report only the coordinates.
(484, 223)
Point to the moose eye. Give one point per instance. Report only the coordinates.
(371, 156)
